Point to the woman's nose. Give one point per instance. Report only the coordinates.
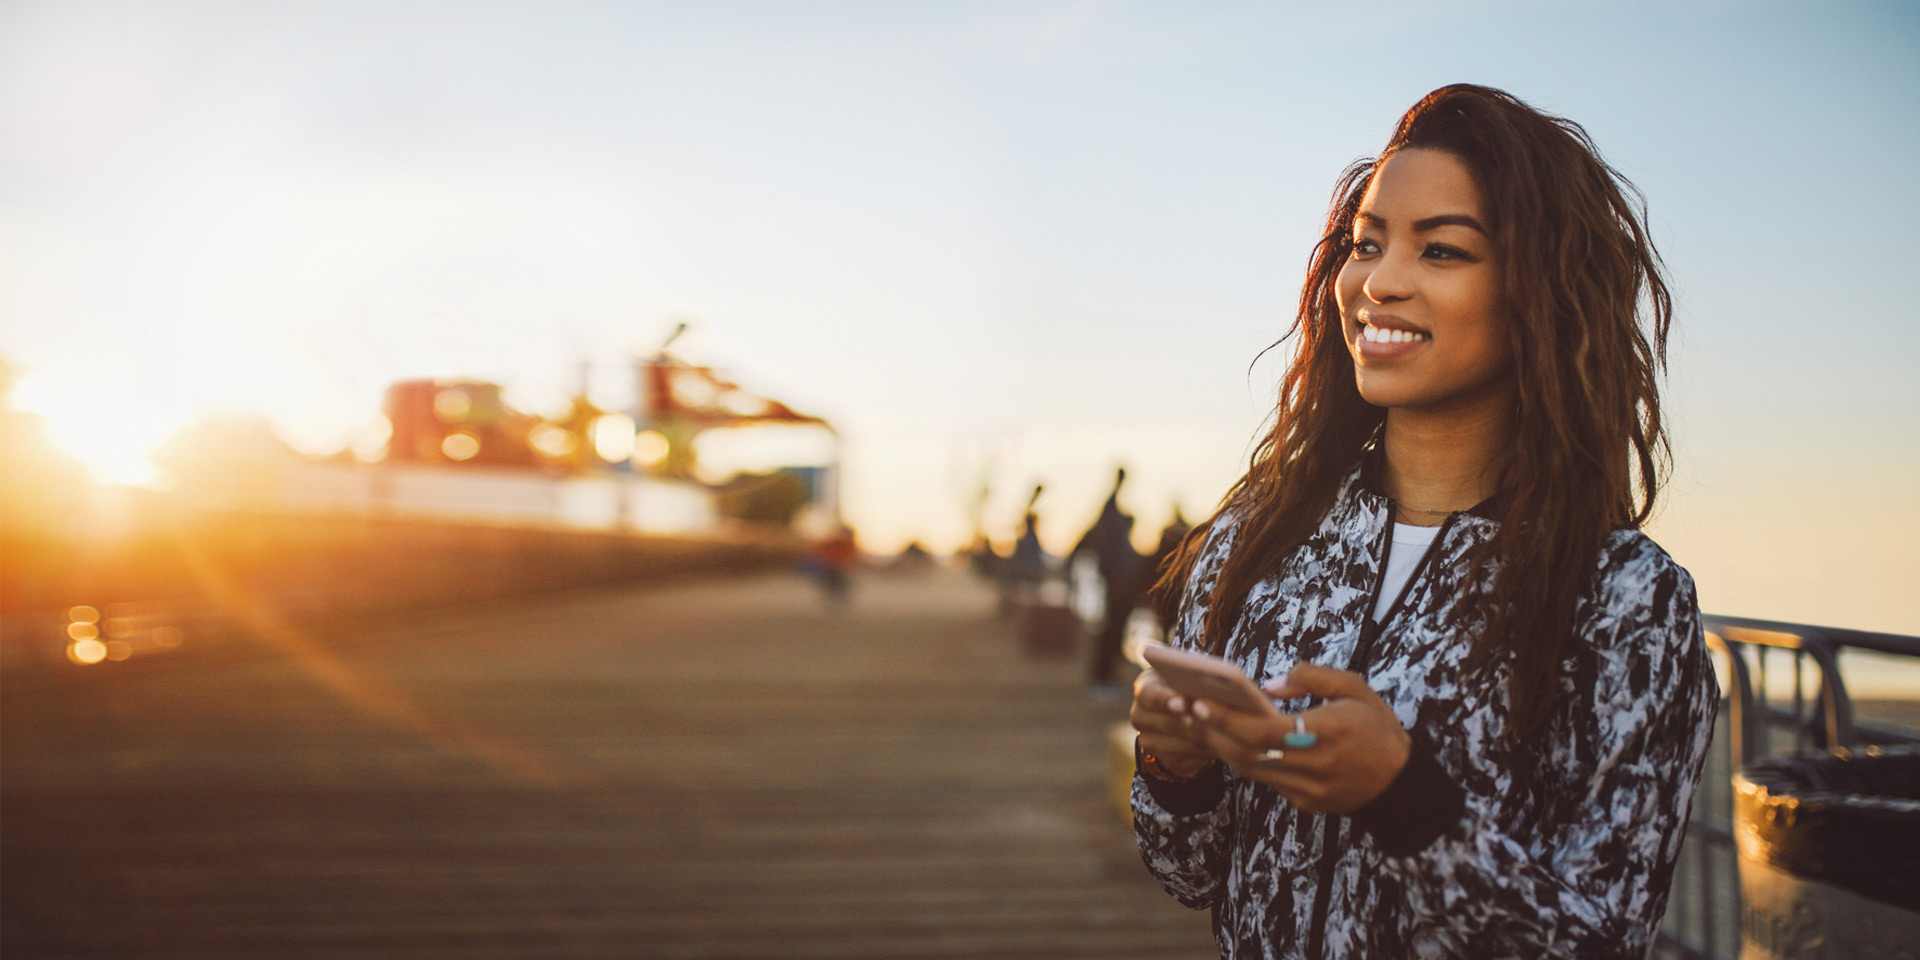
(1390, 280)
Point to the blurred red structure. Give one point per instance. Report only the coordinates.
(456, 421)
(679, 401)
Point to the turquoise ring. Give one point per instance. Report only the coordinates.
(1300, 738)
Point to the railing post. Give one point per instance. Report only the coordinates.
(1835, 706)
(1739, 698)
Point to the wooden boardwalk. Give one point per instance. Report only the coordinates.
(709, 770)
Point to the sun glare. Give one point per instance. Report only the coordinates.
(113, 436)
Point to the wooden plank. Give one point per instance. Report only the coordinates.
(699, 770)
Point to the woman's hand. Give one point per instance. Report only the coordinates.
(1359, 744)
(1167, 728)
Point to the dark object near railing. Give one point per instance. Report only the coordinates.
(1704, 913)
(1831, 835)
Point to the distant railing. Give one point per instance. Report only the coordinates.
(1704, 912)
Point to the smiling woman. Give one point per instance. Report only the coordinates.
(1497, 693)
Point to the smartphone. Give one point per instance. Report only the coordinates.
(1204, 676)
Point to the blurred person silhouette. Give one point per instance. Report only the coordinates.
(1124, 573)
(982, 560)
(1022, 573)
(1494, 696)
(831, 561)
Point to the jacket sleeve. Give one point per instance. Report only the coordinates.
(1575, 863)
(1182, 828)
(1182, 832)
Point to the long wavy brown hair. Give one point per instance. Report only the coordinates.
(1588, 312)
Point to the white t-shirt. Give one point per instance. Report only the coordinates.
(1409, 545)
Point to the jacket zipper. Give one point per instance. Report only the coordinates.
(1362, 658)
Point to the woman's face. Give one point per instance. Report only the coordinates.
(1419, 296)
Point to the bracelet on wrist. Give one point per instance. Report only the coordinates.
(1150, 765)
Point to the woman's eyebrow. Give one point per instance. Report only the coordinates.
(1447, 220)
(1429, 223)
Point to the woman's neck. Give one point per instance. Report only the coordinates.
(1439, 463)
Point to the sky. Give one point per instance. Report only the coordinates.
(1024, 242)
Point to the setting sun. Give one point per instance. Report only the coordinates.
(89, 419)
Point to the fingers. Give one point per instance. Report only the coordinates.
(1166, 725)
(1359, 747)
(1313, 680)
(1232, 731)
(1308, 789)
(1159, 711)
(1170, 726)
(1250, 728)
(1356, 745)
(1239, 753)
(1149, 691)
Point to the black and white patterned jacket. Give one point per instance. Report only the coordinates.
(1559, 846)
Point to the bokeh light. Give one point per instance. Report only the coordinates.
(552, 440)
(452, 406)
(460, 445)
(613, 437)
(650, 447)
(86, 651)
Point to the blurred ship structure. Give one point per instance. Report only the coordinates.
(456, 450)
(687, 409)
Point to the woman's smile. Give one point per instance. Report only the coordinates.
(1381, 338)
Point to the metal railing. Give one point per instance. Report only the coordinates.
(1704, 912)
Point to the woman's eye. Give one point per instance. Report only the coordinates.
(1363, 247)
(1440, 251)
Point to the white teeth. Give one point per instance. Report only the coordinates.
(1384, 335)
